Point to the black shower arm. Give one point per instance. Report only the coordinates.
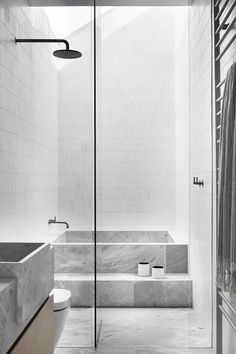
(44, 41)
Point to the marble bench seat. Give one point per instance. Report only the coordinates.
(127, 290)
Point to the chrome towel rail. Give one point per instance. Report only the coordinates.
(222, 9)
(220, 83)
(229, 28)
(226, 301)
(226, 48)
(224, 38)
(223, 22)
(227, 317)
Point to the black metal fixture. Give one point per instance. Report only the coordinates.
(61, 53)
(225, 26)
(198, 182)
(54, 221)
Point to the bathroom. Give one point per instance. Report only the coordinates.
(112, 177)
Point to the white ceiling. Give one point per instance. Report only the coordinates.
(108, 2)
(66, 20)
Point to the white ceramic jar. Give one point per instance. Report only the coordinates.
(143, 269)
(157, 272)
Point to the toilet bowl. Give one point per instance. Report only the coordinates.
(61, 309)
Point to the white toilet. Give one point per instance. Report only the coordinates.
(61, 309)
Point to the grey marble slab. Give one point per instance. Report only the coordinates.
(134, 331)
(34, 274)
(14, 252)
(115, 237)
(177, 258)
(163, 294)
(8, 288)
(130, 291)
(115, 293)
(125, 258)
(119, 257)
(73, 258)
(27, 285)
(79, 236)
(79, 329)
(132, 236)
(147, 349)
(82, 292)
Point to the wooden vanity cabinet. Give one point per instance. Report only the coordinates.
(38, 336)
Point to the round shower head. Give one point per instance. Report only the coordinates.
(62, 53)
(67, 54)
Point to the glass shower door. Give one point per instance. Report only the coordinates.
(141, 216)
(201, 241)
(74, 251)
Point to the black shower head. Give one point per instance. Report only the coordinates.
(62, 53)
(67, 54)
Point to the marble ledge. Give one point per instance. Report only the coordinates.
(115, 291)
(8, 287)
(118, 277)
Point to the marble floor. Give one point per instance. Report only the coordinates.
(131, 331)
(79, 327)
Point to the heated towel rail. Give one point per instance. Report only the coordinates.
(224, 54)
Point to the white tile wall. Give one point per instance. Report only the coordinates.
(136, 161)
(182, 124)
(137, 174)
(76, 135)
(28, 125)
(201, 166)
(136, 125)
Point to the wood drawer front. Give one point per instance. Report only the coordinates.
(38, 337)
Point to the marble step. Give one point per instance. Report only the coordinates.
(127, 290)
(119, 257)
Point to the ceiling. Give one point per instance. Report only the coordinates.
(108, 2)
(66, 20)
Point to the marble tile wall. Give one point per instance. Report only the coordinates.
(176, 258)
(115, 237)
(73, 258)
(125, 258)
(120, 258)
(129, 293)
(133, 236)
(81, 291)
(163, 294)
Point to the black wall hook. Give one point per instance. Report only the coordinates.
(198, 182)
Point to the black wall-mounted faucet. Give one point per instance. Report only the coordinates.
(198, 182)
(54, 221)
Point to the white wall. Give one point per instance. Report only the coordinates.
(201, 166)
(76, 135)
(182, 124)
(136, 123)
(137, 173)
(28, 125)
